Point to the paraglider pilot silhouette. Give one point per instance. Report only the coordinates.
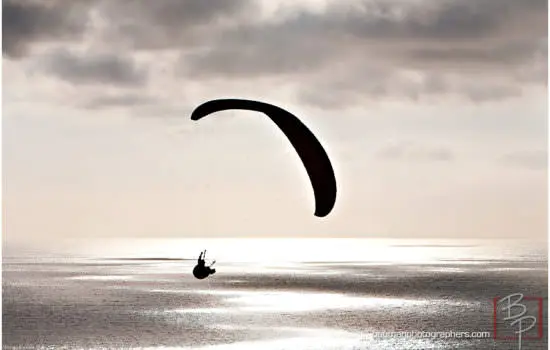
(308, 148)
(202, 271)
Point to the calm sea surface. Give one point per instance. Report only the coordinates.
(271, 294)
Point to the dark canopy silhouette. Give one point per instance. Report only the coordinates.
(310, 150)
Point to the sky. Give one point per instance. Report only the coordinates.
(433, 113)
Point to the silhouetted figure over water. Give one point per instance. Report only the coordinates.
(202, 271)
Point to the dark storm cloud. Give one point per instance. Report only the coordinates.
(142, 24)
(349, 52)
(408, 34)
(25, 22)
(162, 24)
(94, 69)
(455, 46)
(444, 20)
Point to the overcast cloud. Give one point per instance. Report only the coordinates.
(477, 49)
(433, 112)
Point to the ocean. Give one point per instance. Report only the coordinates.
(275, 294)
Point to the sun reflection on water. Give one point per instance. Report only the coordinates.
(279, 301)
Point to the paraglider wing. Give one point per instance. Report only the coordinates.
(310, 150)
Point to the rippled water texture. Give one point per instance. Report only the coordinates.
(114, 302)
